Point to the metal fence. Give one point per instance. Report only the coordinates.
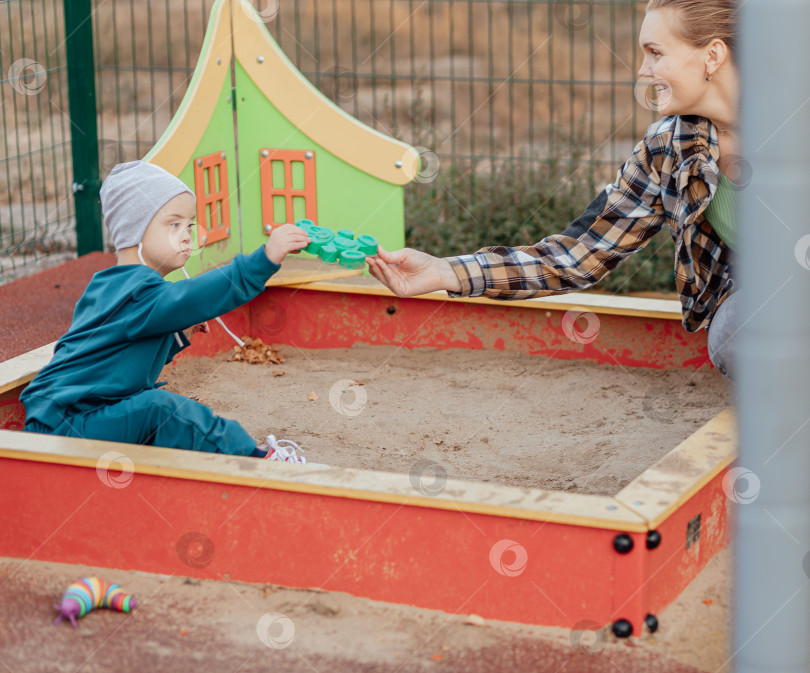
(477, 82)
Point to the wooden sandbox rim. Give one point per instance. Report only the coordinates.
(22, 369)
(606, 304)
(640, 506)
(18, 371)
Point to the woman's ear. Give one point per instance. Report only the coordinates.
(717, 55)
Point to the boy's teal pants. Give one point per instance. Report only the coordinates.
(159, 418)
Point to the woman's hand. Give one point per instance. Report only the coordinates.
(285, 239)
(410, 272)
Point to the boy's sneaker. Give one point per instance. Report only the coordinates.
(283, 450)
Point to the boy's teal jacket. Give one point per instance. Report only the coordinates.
(123, 332)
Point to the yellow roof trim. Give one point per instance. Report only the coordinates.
(312, 112)
(178, 143)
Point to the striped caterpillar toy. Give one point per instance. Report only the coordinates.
(90, 593)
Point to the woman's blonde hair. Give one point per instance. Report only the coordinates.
(704, 20)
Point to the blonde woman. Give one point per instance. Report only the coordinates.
(678, 176)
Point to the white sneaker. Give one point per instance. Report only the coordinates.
(284, 450)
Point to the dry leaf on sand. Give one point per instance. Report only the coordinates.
(255, 352)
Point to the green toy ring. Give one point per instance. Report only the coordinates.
(318, 238)
(343, 243)
(352, 259)
(306, 225)
(367, 244)
(329, 253)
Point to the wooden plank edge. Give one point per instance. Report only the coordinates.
(654, 487)
(505, 501)
(595, 303)
(23, 368)
(316, 275)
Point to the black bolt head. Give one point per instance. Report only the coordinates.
(653, 539)
(623, 543)
(622, 628)
(391, 310)
(651, 621)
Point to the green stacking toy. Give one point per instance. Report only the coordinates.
(318, 238)
(343, 243)
(340, 248)
(367, 244)
(352, 259)
(305, 224)
(328, 253)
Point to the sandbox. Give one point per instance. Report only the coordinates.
(409, 517)
(415, 523)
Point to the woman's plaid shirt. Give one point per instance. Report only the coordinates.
(670, 178)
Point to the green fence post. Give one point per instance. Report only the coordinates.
(83, 126)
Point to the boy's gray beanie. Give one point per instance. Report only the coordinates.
(132, 195)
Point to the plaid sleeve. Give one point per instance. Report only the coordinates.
(632, 215)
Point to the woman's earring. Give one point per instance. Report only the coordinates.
(708, 79)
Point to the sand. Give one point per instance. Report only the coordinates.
(488, 416)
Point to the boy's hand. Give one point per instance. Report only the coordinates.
(202, 327)
(284, 240)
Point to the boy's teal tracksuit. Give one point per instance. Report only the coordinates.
(101, 382)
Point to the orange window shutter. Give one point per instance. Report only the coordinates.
(211, 190)
(287, 186)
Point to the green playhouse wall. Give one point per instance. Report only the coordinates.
(347, 197)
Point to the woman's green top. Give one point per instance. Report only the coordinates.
(720, 211)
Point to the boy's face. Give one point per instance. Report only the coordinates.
(167, 242)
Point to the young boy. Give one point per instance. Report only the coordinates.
(129, 323)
